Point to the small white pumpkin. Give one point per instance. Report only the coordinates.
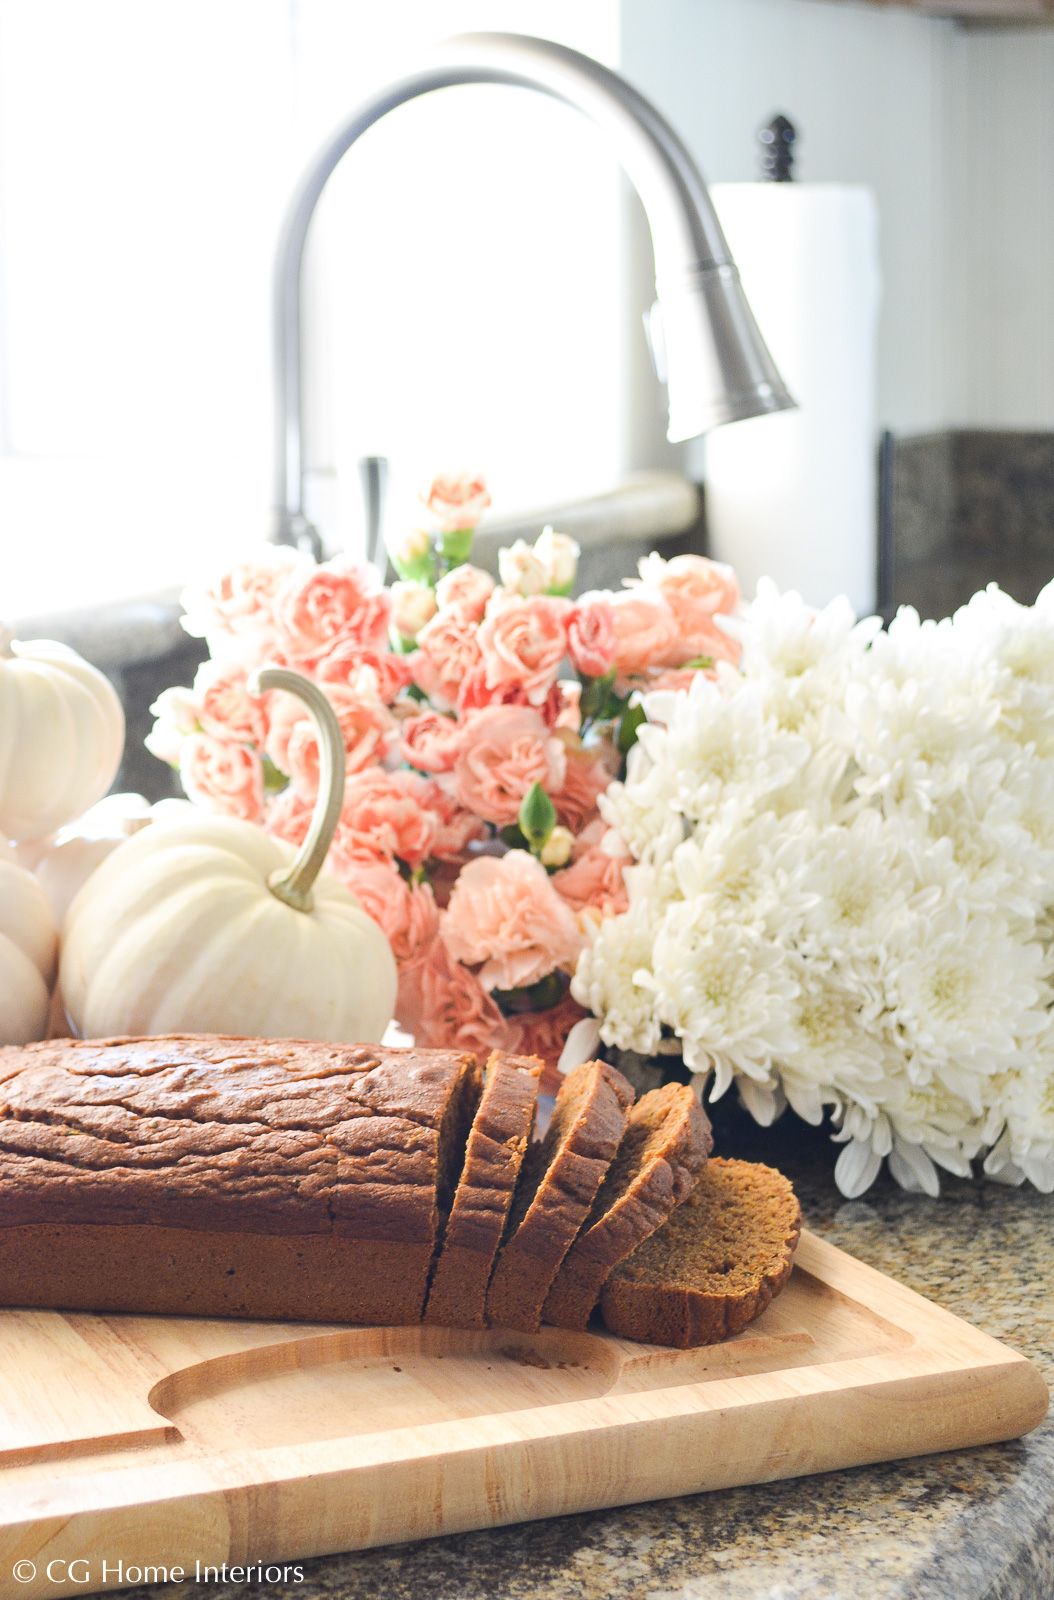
(61, 736)
(28, 947)
(73, 855)
(210, 926)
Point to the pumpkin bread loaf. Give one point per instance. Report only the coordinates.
(663, 1150)
(497, 1144)
(557, 1187)
(228, 1177)
(714, 1266)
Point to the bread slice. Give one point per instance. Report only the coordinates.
(663, 1150)
(559, 1183)
(714, 1266)
(497, 1144)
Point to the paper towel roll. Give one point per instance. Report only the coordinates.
(792, 496)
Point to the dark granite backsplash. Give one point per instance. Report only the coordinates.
(969, 507)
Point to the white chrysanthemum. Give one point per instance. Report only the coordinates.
(643, 809)
(912, 748)
(753, 873)
(838, 1045)
(608, 979)
(725, 991)
(861, 883)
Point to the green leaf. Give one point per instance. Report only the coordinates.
(596, 693)
(537, 816)
(541, 996)
(455, 547)
(701, 663)
(630, 721)
(512, 836)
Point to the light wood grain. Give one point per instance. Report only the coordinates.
(165, 1441)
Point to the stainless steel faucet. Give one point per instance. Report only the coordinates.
(716, 366)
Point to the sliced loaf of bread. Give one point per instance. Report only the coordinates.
(663, 1150)
(714, 1266)
(497, 1144)
(557, 1187)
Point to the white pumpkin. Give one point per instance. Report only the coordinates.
(71, 857)
(210, 926)
(61, 736)
(28, 946)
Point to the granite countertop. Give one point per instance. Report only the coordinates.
(974, 1525)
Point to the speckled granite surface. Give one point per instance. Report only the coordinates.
(976, 1525)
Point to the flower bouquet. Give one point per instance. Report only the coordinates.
(470, 829)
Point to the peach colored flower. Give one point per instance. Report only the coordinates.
(413, 605)
(456, 828)
(384, 815)
(336, 602)
(222, 776)
(225, 707)
(289, 816)
(431, 742)
(466, 589)
(475, 694)
(456, 500)
(367, 726)
(505, 913)
(504, 750)
(594, 881)
(694, 588)
(235, 615)
(523, 642)
(591, 636)
(408, 916)
(569, 705)
(448, 649)
(676, 678)
(646, 633)
(586, 778)
(378, 672)
(442, 1004)
(544, 1034)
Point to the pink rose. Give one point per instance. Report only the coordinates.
(222, 776)
(505, 913)
(456, 828)
(408, 917)
(448, 649)
(384, 815)
(235, 615)
(380, 673)
(585, 779)
(336, 602)
(646, 633)
(442, 1004)
(594, 881)
(504, 750)
(367, 726)
(591, 636)
(544, 1034)
(431, 742)
(523, 642)
(466, 589)
(456, 500)
(225, 707)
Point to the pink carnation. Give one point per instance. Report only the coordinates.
(646, 633)
(384, 815)
(523, 642)
(448, 649)
(408, 916)
(694, 588)
(236, 614)
(289, 816)
(442, 1004)
(222, 776)
(337, 602)
(466, 589)
(225, 707)
(591, 636)
(505, 913)
(544, 1034)
(378, 672)
(456, 828)
(594, 881)
(505, 749)
(366, 725)
(456, 500)
(586, 778)
(431, 742)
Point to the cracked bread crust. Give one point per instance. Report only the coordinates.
(557, 1187)
(497, 1144)
(242, 1137)
(663, 1150)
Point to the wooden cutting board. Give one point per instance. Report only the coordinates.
(132, 1446)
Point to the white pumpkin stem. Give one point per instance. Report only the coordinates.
(292, 885)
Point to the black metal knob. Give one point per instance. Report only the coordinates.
(777, 149)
